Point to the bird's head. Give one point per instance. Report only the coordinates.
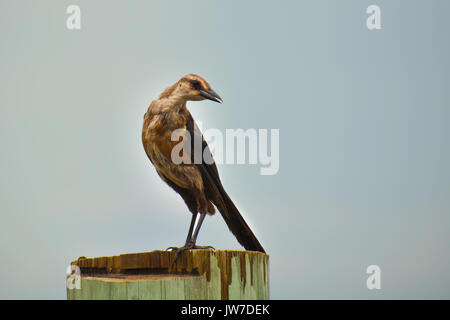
(192, 87)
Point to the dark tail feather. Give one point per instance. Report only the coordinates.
(236, 223)
(215, 192)
(230, 213)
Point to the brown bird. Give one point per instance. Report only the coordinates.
(195, 179)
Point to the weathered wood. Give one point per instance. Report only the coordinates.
(197, 275)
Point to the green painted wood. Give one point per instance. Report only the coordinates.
(199, 275)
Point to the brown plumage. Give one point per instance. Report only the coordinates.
(196, 181)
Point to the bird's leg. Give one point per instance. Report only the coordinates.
(191, 238)
(191, 228)
(189, 235)
(194, 236)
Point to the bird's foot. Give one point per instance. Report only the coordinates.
(203, 247)
(187, 246)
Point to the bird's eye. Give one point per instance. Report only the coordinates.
(196, 84)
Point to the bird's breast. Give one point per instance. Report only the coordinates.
(160, 135)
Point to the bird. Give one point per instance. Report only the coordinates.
(196, 181)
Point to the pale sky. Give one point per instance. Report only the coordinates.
(363, 117)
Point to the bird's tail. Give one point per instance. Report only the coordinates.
(236, 222)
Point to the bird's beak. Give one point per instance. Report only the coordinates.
(211, 95)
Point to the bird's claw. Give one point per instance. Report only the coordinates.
(203, 247)
(187, 246)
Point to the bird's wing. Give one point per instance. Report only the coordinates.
(216, 193)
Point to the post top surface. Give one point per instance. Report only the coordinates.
(160, 261)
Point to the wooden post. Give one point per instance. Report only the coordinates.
(197, 275)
